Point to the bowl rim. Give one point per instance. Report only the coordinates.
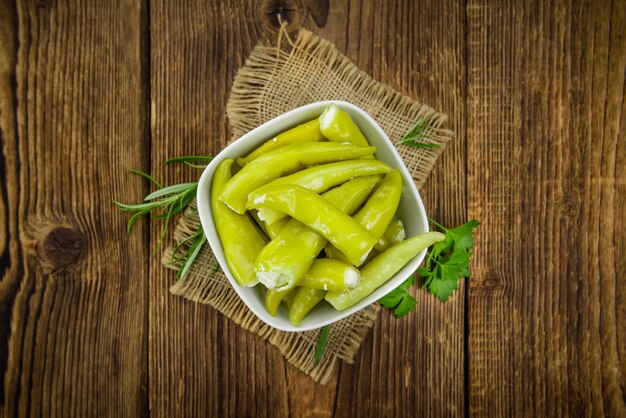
(295, 116)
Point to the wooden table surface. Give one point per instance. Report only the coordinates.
(535, 93)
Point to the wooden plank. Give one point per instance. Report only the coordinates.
(546, 156)
(72, 111)
(201, 363)
(413, 366)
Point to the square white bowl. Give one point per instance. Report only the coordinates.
(410, 210)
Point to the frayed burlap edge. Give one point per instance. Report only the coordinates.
(274, 80)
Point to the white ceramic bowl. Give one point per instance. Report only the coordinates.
(410, 211)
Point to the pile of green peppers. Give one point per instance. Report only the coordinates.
(310, 215)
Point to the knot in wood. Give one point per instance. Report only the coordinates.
(288, 11)
(63, 246)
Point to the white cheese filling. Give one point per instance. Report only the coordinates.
(351, 277)
(273, 280)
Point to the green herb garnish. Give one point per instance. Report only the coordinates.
(189, 256)
(417, 134)
(399, 299)
(322, 342)
(447, 263)
(448, 260)
(191, 160)
(165, 203)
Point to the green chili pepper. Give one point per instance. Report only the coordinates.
(372, 255)
(382, 205)
(307, 132)
(274, 229)
(286, 259)
(321, 178)
(273, 299)
(317, 213)
(382, 244)
(271, 230)
(241, 239)
(283, 261)
(351, 194)
(337, 126)
(289, 298)
(382, 268)
(305, 300)
(393, 234)
(334, 254)
(377, 211)
(331, 275)
(289, 158)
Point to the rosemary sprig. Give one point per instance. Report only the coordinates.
(189, 256)
(190, 160)
(321, 345)
(146, 176)
(165, 203)
(417, 134)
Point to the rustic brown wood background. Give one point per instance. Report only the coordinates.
(535, 91)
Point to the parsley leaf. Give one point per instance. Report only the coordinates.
(462, 236)
(443, 289)
(448, 261)
(400, 299)
(407, 305)
(393, 299)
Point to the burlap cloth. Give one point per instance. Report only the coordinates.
(274, 80)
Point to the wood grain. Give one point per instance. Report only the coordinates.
(74, 335)
(535, 92)
(200, 362)
(546, 160)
